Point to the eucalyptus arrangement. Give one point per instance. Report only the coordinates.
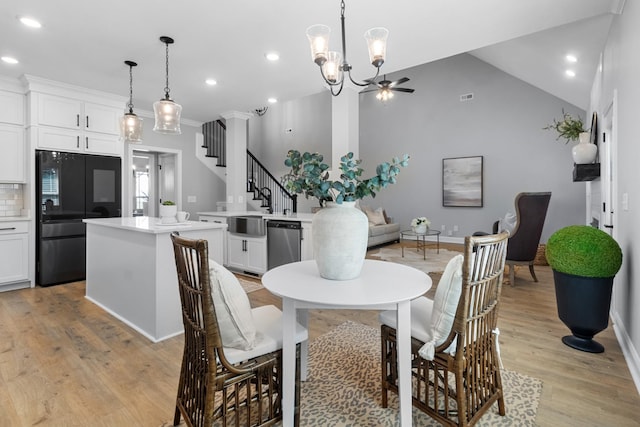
(168, 203)
(310, 176)
(568, 128)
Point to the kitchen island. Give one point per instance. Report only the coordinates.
(131, 271)
(256, 244)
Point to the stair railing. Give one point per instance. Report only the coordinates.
(265, 187)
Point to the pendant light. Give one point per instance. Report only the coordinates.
(333, 65)
(130, 124)
(167, 112)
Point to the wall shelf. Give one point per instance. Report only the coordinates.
(586, 172)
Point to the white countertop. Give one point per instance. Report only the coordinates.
(151, 225)
(14, 218)
(302, 217)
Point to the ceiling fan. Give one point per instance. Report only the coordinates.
(385, 88)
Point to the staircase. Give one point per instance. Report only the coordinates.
(263, 186)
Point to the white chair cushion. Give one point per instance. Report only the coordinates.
(233, 310)
(445, 305)
(268, 321)
(420, 314)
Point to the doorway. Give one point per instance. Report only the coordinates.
(155, 176)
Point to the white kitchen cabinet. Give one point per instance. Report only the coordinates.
(218, 220)
(14, 253)
(12, 147)
(11, 107)
(70, 124)
(306, 245)
(53, 138)
(247, 254)
(72, 113)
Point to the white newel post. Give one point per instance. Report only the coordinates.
(237, 137)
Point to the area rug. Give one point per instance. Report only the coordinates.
(434, 263)
(343, 386)
(249, 285)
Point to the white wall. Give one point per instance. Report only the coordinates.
(621, 72)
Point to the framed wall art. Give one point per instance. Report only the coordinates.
(462, 181)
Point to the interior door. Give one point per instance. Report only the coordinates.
(167, 177)
(607, 168)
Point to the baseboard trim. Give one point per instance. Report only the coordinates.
(628, 350)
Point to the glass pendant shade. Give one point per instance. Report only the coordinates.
(167, 114)
(131, 128)
(318, 36)
(130, 124)
(331, 69)
(377, 43)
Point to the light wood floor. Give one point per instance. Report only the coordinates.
(65, 362)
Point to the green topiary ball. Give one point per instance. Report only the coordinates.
(584, 251)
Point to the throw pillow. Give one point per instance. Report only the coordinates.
(376, 217)
(233, 310)
(445, 305)
(508, 223)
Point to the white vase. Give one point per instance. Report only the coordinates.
(340, 234)
(420, 229)
(584, 151)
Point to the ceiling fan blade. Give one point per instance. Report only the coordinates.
(399, 82)
(403, 89)
(372, 82)
(373, 89)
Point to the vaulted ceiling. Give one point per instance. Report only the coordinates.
(85, 43)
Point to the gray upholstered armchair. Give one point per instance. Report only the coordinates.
(531, 211)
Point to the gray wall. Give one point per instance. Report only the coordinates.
(309, 120)
(503, 123)
(197, 179)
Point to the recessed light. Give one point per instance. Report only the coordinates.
(211, 82)
(9, 60)
(570, 73)
(272, 100)
(571, 58)
(30, 22)
(272, 56)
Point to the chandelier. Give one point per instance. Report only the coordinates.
(333, 64)
(167, 112)
(130, 124)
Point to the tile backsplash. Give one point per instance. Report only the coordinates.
(11, 200)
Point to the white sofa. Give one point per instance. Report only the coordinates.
(382, 229)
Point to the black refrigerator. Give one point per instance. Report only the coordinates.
(69, 188)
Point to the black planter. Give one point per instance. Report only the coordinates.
(583, 305)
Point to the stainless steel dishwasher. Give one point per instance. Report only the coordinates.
(283, 242)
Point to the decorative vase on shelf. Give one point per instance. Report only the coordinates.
(340, 233)
(420, 229)
(584, 151)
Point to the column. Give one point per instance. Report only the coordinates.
(345, 134)
(237, 137)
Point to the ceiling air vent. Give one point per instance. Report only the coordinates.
(466, 97)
